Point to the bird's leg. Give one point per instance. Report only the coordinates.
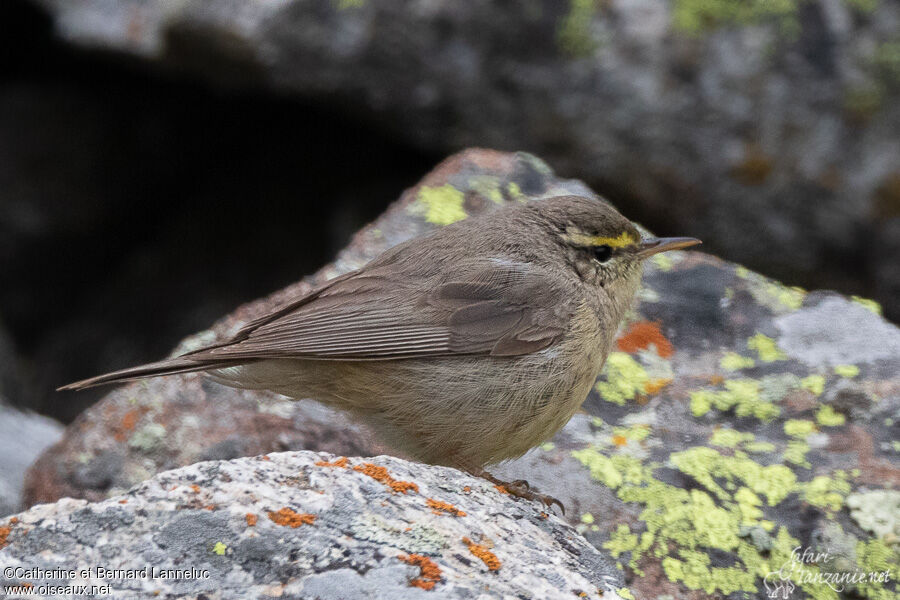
(518, 488)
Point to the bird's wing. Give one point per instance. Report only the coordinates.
(500, 308)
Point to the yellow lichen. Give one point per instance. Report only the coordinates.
(624, 379)
(439, 205)
(744, 395)
(813, 383)
(828, 417)
(732, 361)
(847, 371)
(868, 304)
(766, 348)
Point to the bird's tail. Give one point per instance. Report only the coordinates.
(171, 366)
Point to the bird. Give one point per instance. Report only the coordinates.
(465, 346)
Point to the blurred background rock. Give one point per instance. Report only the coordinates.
(162, 162)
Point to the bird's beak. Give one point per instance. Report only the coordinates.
(652, 246)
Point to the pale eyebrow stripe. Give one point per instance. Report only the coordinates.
(583, 239)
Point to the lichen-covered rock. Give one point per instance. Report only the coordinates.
(771, 127)
(308, 526)
(732, 424)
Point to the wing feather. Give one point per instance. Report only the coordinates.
(493, 307)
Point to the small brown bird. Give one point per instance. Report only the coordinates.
(464, 347)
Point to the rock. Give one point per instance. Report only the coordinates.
(772, 129)
(712, 445)
(311, 526)
(23, 437)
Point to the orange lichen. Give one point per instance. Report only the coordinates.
(382, 475)
(467, 489)
(642, 335)
(4, 533)
(654, 386)
(128, 422)
(501, 489)
(439, 507)
(251, 519)
(619, 440)
(210, 507)
(124, 501)
(429, 571)
(481, 551)
(195, 488)
(340, 462)
(290, 518)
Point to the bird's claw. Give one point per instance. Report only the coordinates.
(521, 489)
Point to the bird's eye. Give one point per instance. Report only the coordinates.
(602, 253)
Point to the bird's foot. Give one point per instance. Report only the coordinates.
(519, 489)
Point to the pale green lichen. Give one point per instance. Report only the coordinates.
(624, 379)
(696, 16)
(813, 383)
(415, 539)
(729, 438)
(625, 594)
(759, 447)
(548, 446)
(732, 361)
(848, 371)
(826, 416)
(219, 548)
(488, 187)
(877, 557)
(515, 192)
(148, 437)
(439, 205)
(868, 304)
(574, 30)
(862, 6)
(635, 433)
(682, 526)
(826, 492)
(799, 427)
(663, 262)
(877, 511)
(766, 348)
(773, 295)
(795, 453)
(587, 518)
(774, 482)
(887, 62)
(744, 395)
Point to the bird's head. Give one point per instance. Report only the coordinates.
(603, 247)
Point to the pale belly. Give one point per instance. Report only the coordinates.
(465, 411)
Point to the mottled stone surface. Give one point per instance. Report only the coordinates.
(23, 437)
(771, 127)
(309, 526)
(737, 419)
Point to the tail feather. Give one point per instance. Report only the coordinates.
(172, 366)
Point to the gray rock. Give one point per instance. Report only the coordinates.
(720, 436)
(23, 437)
(772, 128)
(301, 525)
